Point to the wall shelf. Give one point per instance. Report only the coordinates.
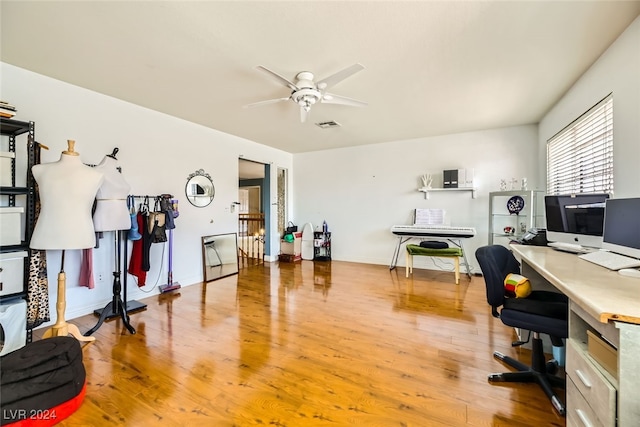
(426, 190)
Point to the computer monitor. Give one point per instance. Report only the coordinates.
(576, 218)
(622, 227)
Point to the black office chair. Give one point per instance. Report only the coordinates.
(541, 312)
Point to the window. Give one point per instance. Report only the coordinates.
(580, 157)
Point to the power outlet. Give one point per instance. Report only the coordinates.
(100, 277)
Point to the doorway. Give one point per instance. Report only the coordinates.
(282, 190)
(253, 215)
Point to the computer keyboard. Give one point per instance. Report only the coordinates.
(610, 260)
(571, 247)
(433, 230)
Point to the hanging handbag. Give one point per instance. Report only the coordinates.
(167, 207)
(157, 224)
(133, 233)
(291, 228)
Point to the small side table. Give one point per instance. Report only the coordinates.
(321, 246)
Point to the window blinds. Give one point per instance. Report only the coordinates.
(580, 157)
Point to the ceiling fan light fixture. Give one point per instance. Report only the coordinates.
(306, 92)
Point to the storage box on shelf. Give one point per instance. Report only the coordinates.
(6, 159)
(10, 225)
(12, 272)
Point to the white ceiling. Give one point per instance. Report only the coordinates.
(431, 67)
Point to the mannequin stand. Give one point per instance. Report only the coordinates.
(117, 307)
(61, 328)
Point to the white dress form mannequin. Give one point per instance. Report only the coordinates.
(67, 189)
(111, 212)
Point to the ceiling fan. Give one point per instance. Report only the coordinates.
(306, 92)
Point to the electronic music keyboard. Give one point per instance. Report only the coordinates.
(433, 231)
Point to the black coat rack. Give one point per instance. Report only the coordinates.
(119, 306)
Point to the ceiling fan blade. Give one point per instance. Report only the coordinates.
(278, 77)
(330, 98)
(304, 113)
(339, 76)
(267, 102)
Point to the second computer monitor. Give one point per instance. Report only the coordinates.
(622, 227)
(577, 219)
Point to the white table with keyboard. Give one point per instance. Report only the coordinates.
(453, 234)
(602, 303)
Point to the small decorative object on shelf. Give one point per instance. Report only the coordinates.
(427, 180)
(7, 110)
(514, 184)
(515, 204)
(524, 184)
(503, 185)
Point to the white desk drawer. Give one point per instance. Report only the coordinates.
(579, 413)
(596, 390)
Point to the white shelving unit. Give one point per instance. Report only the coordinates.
(532, 215)
(18, 203)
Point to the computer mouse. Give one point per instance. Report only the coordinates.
(630, 272)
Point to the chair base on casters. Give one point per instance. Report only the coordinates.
(538, 372)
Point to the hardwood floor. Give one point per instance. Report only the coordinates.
(304, 344)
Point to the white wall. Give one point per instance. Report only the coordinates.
(617, 71)
(157, 153)
(362, 191)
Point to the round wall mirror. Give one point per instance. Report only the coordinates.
(199, 189)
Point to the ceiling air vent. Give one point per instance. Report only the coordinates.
(327, 125)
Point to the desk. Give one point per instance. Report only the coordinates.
(608, 304)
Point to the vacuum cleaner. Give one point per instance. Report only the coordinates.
(171, 285)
